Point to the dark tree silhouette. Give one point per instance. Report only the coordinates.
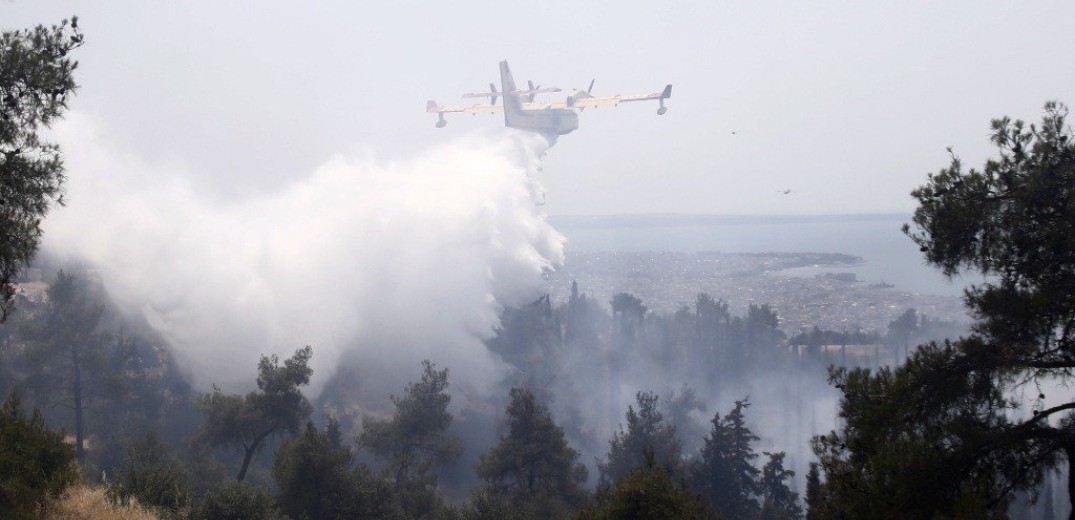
(646, 432)
(66, 352)
(943, 434)
(532, 462)
(415, 440)
(725, 474)
(277, 407)
(36, 81)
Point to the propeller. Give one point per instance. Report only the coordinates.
(532, 90)
(580, 94)
(491, 94)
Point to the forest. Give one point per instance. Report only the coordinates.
(729, 416)
(138, 428)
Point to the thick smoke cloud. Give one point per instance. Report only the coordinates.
(381, 264)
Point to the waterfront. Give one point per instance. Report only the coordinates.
(839, 272)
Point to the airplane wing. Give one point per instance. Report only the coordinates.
(617, 99)
(433, 107)
(580, 100)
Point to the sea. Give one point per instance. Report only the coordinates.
(889, 256)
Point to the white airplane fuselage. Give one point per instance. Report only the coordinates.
(557, 121)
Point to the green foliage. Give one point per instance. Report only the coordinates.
(627, 304)
(1014, 221)
(139, 389)
(628, 313)
(317, 479)
(415, 441)
(678, 408)
(277, 407)
(778, 500)
(152, 475)
(813, 493)
(36, 79)
(646, 494)
(945, 434)
(528, 336)
(532, 464)
(582, 320)
(483, 505)
(725, 474)
(817, 337)
(238, 501)
(903, 328)
(646, 431)
(105, 376)
(35, 462)
(762, 329)
(916, 437)
(67, 354)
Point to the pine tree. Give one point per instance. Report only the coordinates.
(277, 407)
(646, 493)
(724, 474)
(36, 80)
(813, 493)
(778, 500)
(416, 438)
(317, 478)
(67, 352)
(415, 441)
(533, 463)
(646, 430)
(947, 431)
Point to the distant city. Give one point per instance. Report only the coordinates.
(806, 289)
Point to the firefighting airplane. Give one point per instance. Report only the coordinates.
(557, 118)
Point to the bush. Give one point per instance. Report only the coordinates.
(484, 505)
(238, 501)
(152, 475)
(646, 494)
(35, 462)
(317, 479)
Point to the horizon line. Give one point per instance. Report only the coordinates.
(732, 215)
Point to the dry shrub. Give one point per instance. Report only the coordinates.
(83, 502)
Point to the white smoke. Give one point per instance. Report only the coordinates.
(379, 264)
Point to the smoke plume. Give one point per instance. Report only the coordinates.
(377, 264)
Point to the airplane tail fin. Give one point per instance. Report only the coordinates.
(667, 93)
(431, 106)
(513, 107)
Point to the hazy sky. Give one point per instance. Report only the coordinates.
(848, 104)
